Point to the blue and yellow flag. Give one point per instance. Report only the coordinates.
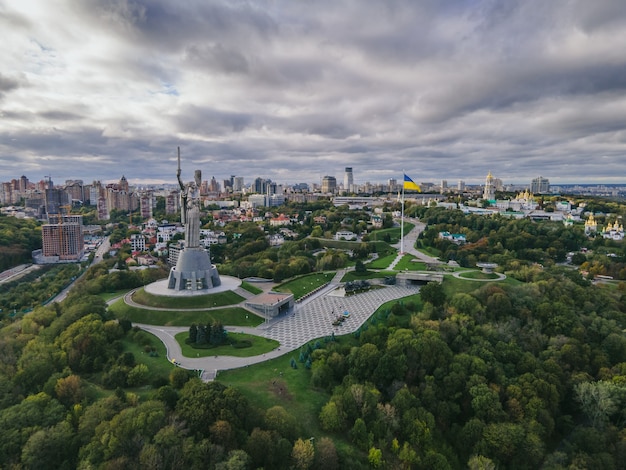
(410, 184)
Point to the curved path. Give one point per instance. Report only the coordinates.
(310, 319)
(459, 275)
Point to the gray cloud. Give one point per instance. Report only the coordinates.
(441, 89)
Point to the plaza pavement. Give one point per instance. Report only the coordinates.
(310, 319)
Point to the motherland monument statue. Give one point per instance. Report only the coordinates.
(194, 270)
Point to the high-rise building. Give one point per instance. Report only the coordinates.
(172, 202)
(540, 185)
(214, 186)
(146, 204)
(260, 185)
(392, 185)
(348, 180)
(238, 184)
(62, 238)
(443, 187)
(460, 186)
(329, 184)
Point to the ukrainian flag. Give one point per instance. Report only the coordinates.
(410, 184)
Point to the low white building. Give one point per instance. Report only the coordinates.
(345, 235)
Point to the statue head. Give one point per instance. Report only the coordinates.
(197, 176)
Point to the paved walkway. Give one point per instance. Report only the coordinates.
(311, 319)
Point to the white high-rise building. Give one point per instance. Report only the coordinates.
(238, 183)
(348, 179)
(540, 185)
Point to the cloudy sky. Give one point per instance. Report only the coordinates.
(293, 90)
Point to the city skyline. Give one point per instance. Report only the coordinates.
(438, 90)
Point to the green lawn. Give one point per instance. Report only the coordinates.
(478, 275)
(352, 276)
(251, 288)
(338, 244)
(219, 299)
(235, 316)
(113, 295)
(301, 286)
(159, 365)
(408, 262)
(259, 346)
(394, 233)
(381, 263)
(275, 382)
(452, 285)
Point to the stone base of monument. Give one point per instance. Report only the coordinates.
(160, 288)
(193, 271)
(193, 275)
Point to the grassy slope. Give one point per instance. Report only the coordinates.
(235, 316)
(259, 346)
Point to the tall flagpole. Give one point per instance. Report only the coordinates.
(402, 219)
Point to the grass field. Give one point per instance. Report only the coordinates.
(381, 263)
(394, 233)
(259, 346)
(251, 288)
(107, 296)
(452, 285)
(301, 286)
(219, 299)
(352, 276)
(275, 382)
(478, 275)
(159, 366)
(410, 263)
(235, 316)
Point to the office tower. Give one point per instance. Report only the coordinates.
(540, 185)
(392, 185)
(260, 185)
(460, 186)
(62, 238)
(443, 187)
(348, 179)
(238, 184)
(329, 184)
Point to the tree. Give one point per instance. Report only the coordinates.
(69, 390)
(50, 448)
(332, 417)
(433, 293)
(375, 457)
(303, 454)
(359, 267)
(237, 460)
(277, 419)
(479, 462)
(598, 401)
(326, 454)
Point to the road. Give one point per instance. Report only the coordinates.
(104, 247)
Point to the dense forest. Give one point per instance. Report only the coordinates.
(18, 239)
(524, 373)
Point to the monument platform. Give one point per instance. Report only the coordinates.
(161, 288)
